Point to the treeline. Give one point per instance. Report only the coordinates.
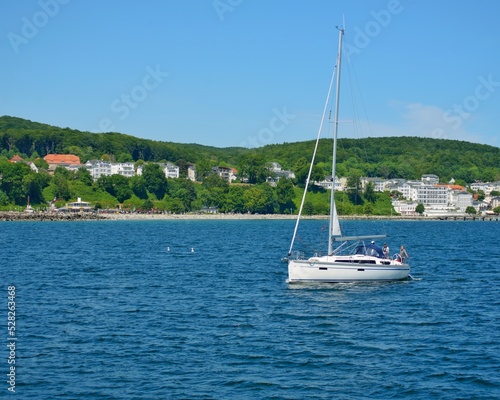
(33, 139)
(19, 184)
(395, 157)
(386, 157)
(398, 157)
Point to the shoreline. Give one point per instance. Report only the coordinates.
(49, 216)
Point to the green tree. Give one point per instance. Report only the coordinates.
(41, 163)
(147, 205)
(124, 158)
(155, 179)
(253, 167)
(354, 187)
(177, 206)
(255, 200)
(33, 186)
(117, 186)
(369, 193)
(60, 186)
(183, 167)
(182, 189)
(11, 182)
(420, 208)
(470, 210)
(138, 186)
(76, 150)
(368, 208)
(123, 192)
(203, 170)
(271, 203)
(83, 175)
(4, 199)
(317, 174)
(133, 203)
(308, 208)
(301, 170)
(216, 189)
(285, 195)
(63, 172)
(235, 200)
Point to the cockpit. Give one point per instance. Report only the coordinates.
(369, 250)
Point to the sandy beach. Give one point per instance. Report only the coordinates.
(193, 216)
(51, 216)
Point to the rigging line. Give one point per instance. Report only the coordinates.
(356, 90)
(312, 160)
(313, 250)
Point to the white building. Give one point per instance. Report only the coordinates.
(340, 184)
(97, 168)
(404, 207)
(495, 202)
(460, 200)
(379, 184)
(170, 170)
(409, 189)
(277, 173)
(432, 196)
(430, 179)
(229, 174)
(276, 169)
(125, 169)
(77, 206)
(191, 172)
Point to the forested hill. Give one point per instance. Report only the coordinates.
(387, 157)
(26, 137)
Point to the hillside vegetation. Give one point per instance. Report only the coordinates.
(386, 157)
(395, 157)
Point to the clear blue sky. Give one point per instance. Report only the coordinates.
(251, 72)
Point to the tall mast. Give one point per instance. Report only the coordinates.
(333, 214)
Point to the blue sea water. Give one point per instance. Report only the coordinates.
(105, 311)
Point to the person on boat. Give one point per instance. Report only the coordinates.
(402, 252)
(385, 250)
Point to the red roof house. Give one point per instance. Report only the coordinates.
(62, 159)
(16, 158)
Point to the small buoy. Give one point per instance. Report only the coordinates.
(192, 249)
(168, 248)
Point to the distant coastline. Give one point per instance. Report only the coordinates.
(50, 216)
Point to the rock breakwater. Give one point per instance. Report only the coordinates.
(44, 216)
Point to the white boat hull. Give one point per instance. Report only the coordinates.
(346, 269)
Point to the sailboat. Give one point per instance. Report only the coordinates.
(349, 258)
